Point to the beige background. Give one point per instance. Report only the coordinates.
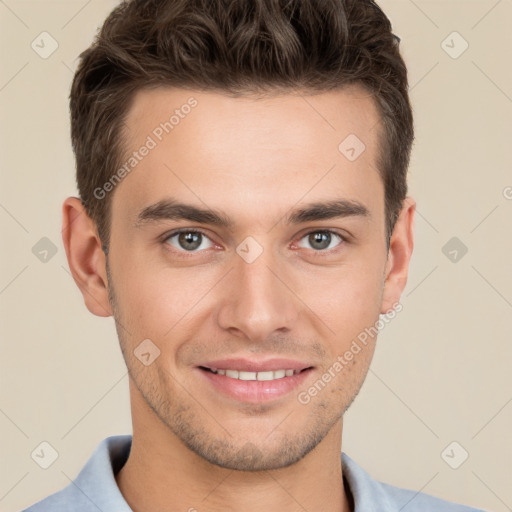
(441, 372)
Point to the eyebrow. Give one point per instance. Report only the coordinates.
(171, 209)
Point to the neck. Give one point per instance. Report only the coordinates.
(161, 472)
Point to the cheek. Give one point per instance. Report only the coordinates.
(153, 306)
(161, 303)
(346, 298)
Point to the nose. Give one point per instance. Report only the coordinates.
(258, 300)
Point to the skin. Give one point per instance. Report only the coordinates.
(255, 160)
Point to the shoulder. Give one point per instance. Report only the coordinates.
(62, 501)
(372, 495)
(414, 501)
(95, 487)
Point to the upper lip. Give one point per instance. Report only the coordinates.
(249, 365)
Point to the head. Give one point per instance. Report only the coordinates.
(276, 135)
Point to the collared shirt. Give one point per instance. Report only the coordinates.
(95, 488)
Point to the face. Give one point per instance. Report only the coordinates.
(246, 245)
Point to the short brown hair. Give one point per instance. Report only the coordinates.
(236, 47)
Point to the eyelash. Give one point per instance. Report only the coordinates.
(183, 253)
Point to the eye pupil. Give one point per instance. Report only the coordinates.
(320, 240)
(189, 240)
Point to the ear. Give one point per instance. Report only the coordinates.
(86, 259)
(399, 255)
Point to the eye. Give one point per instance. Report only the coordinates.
(189, 240)
(321, 240)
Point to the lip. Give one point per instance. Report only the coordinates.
(254, 391)
(251, 365)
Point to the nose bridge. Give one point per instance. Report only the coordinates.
(256, 302)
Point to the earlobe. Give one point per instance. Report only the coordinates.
(399, 255)
(86, 259)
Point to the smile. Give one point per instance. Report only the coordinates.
(255, 385)
(261, 376)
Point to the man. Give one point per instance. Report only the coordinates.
(243, 216)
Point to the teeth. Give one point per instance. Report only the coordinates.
(279, 374)
(243, 375)
(247, 375)
(265, 376)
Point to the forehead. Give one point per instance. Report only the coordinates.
(251, 155)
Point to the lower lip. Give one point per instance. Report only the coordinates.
(256, 391)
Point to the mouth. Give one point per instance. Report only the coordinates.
(255, 382)
(265, 375)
